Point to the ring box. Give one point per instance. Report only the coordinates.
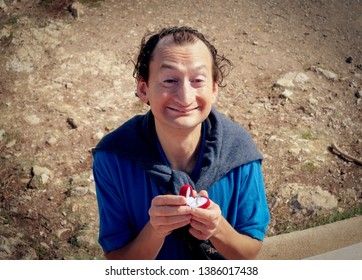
(194, 201)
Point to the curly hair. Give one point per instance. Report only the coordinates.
(181, 36)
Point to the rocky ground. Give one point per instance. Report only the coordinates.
(67, 81)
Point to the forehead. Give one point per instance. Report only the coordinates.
(188, 52)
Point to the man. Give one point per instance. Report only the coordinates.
(140, 167)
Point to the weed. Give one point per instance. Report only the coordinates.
(46, 3)
(339, 115)
(41, 251)
(6, 218)
(90, 2)
(12, 20)
(309, 167)
(338, 216)
(74, 241)
(307, 135)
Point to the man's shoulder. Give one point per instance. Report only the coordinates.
(233, 134)
(121, 136)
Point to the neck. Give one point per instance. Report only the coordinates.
(181, 147)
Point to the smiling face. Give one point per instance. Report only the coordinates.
(180, 89)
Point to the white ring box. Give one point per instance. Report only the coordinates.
(194, 201)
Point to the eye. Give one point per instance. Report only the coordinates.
(198, 82)
(169, 82)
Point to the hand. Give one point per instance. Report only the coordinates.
(167, 213)
(205, 222)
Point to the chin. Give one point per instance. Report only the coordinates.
(187, 123)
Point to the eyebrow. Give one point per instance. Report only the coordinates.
(173, 67)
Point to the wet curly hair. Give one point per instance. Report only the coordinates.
(181, 36)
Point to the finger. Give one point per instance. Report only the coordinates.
(171, 220)
(203, 193)
(175, 200)
(194, 193)
(198, 225)
(201, 230)
(204, 214)
(167, 229)
(198, 234)
(169, 210)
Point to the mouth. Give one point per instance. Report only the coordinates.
(182, 110)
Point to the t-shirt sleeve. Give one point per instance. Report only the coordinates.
(252, 210)
(114, 224)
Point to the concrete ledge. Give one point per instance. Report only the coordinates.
(316, 242)
(353, 252)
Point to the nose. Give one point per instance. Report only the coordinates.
(185, 94)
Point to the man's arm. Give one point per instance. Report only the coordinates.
(145, 246)
(210, 224)
(167, 213)
(234, 245)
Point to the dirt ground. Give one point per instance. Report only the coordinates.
(65, 82)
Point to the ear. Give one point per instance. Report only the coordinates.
(142, 90)
(215, 91)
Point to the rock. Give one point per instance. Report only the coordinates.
(287, 94)
(5, 33)
(117, 85)
(295, 151)
(313, 101)
(41, 175)
(5, 251)
(79, 191)
(44, 246)
(72, 123)
(284, 83)
(292, 79)
(29, 254)
(51, 141)
(301, 78)
(76, 9)
(32, 119)
(349, 59)
(358, 94)
(64, 233)
(44, 178)
(68, 85)
(99, 135)
(326, 73)
(61, 107)
(92, 189)
(75, 207)
(3, 6)
(39, 170)
(2, 132)
(311, 198)
(11, 143)
(87, 238)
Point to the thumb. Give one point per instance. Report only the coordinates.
(203, 193)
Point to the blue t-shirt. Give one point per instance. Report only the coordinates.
(125, 192)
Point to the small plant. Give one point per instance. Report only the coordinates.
(41, 252)
(89, 1)
(5, 216)
(338, 216)
(12, 20)
(307, 135)
(309, 167)
(74, 242)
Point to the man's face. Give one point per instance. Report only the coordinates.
(180, 89)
